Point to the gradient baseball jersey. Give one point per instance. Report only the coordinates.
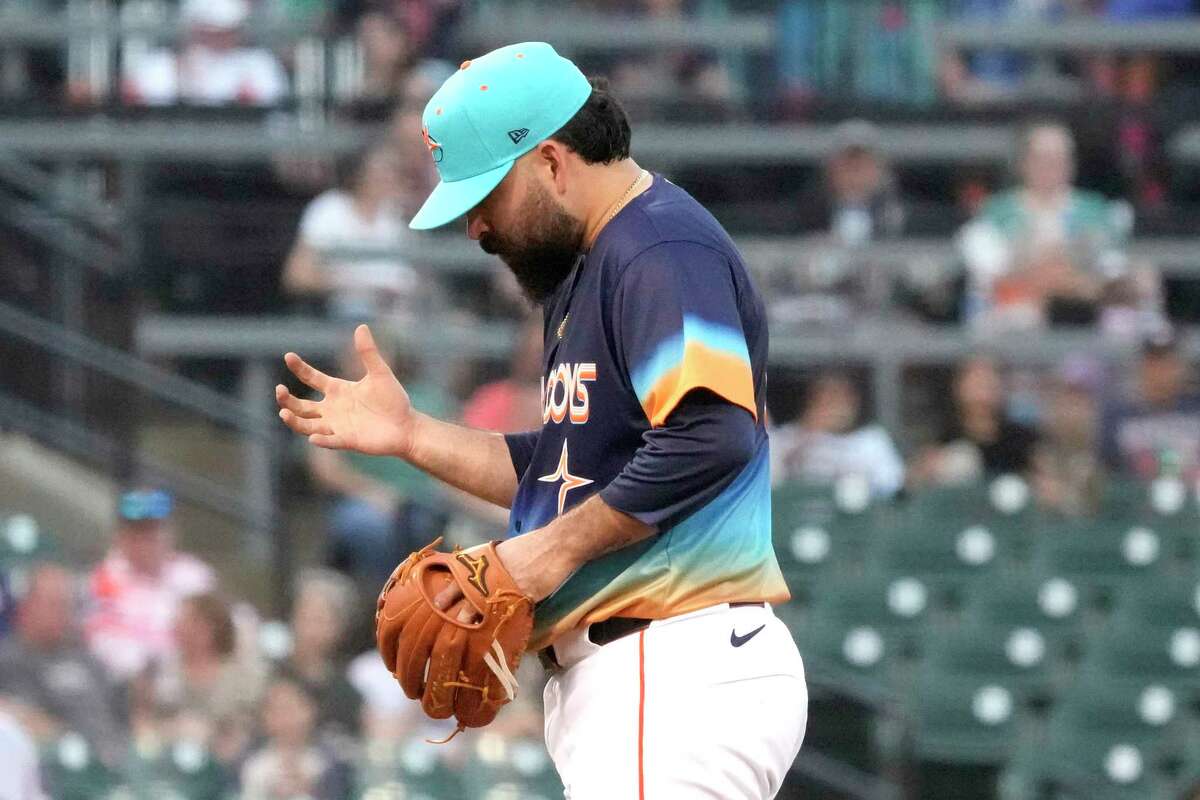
(654, 373)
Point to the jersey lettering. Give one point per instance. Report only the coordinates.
(564, 393)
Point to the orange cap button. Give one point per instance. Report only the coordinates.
(465, 64)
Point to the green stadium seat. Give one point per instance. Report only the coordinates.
(1019, 658)
(1047, 604)
(943, 554)
(1132, 655)
(860, 625)
(72, 772)
(503, 768)
(961, 720)
(845, 507)
(1170, 603)
(1104, 739)
(1100, 555)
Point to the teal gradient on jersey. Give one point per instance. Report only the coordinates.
(722, 553)
(670, 353)
(491, 112)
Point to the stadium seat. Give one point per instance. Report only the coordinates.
(1047, 604)
(1104, 739)
(962, 720)
(510, 769)
(1100, 555)
(1169, 603)
(71, 771)
(861, 624)
(845, 509)
(944, 553)
(1019, 658)
(1132, 655)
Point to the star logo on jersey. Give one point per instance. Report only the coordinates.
(563, 474)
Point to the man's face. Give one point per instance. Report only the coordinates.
(855, 175)
(146, 544)
(531, 232)
(1049, 163)
(1162, 377)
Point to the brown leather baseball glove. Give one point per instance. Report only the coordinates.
(455, 666)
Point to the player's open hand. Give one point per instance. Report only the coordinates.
(372, 415)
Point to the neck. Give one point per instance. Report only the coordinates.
(608, 195)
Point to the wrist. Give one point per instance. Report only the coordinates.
(419, 433)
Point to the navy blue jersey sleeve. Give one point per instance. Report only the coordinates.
(686, 462)
(677, 326)
(520, 449)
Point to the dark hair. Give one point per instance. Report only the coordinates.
(213, 609)
(599, 132)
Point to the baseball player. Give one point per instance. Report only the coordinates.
(640, 518)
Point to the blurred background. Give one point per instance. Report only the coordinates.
(975, 225)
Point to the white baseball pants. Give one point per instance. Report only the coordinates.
(677, 711)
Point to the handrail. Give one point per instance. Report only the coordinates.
(90, 444)
(1175, 256)
(129, 369)
(1075, 35)
(870, 340)
(20, 27)
(55, 233)
(34, 181)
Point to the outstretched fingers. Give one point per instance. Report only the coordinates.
(307, 409)
(305, 426)
(312, 377)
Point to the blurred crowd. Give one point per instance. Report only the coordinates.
(147, 654)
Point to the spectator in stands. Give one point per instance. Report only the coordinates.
(1158, 432)
(324, 605)
(213, 67)
(362, 213)
(1044, 252)
(19, 776)
(513, 403)
(981, 440)
(386, 55)
(856, 201)
(49, 674)
(293, 762)
(383, 508)
(829, 441)
(1068, 476)
(857, 51)
(136, 590)
(208, 685)
(990, 75)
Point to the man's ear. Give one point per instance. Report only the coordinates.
(552, 156)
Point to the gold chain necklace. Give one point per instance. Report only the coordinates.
(617, 206)
(562, 326)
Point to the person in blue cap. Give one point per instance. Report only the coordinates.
(640, 510)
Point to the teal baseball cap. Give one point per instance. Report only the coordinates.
(494, 110)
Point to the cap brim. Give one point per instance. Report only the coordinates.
(450, 200)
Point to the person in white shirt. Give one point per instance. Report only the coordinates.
(362, 214)
(19, 778)
(213, 67)
(827, 442)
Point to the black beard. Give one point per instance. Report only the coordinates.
(547, 253)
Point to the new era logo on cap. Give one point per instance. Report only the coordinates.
(518, 134)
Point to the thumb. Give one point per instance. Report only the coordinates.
(364, 343)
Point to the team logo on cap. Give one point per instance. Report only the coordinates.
(435, 149)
